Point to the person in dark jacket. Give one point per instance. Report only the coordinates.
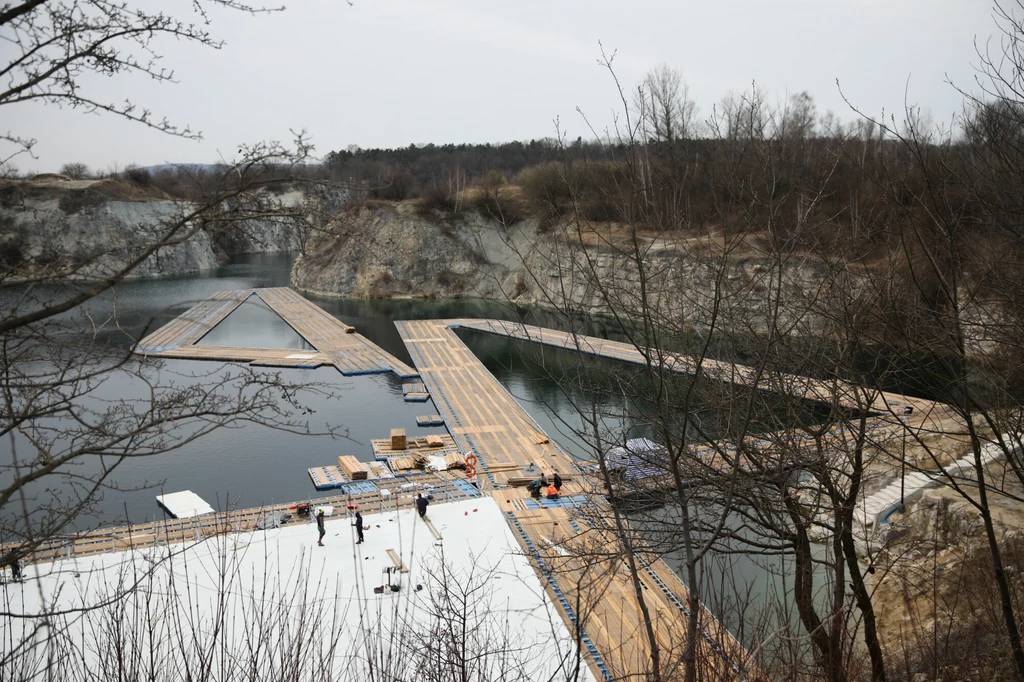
(320, 527)
(534, 488)
(359, 526)
(421, 505)
(558, 482)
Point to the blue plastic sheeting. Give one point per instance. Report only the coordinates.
(466, 487)
(575, 501)
(637, 460)
(356, 487)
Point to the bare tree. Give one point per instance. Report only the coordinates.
(54, 44)
(75, 403)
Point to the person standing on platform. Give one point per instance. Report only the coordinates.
(359, 526)
(421, 505)
(320, 527)
(558, 482)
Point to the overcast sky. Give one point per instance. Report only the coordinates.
(395, 72)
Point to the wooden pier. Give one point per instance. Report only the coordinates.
(790, 384)
(444, 486)
(577, 561)
(569, 541)
(336, 343)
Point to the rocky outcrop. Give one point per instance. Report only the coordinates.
(383, 249)
(89, 229)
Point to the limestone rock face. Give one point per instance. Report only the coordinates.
(388, 250)
(81, 231)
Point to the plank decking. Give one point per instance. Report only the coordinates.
(569, 541)
(577, 561)
(791, 384)
(336, 343)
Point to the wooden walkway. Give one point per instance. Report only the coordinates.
(194, 323)
(445, 486)
(336, 343)
(582, 567)
(568, 542)
(480, 414)
(590, 584)
(790, 384)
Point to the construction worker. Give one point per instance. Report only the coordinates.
(421, 505)
(557, 481)
(552, 492)
(359, 526)
(320, 527)
(534, 488)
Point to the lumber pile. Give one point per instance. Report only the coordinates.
(455, 460)
(402, 463)
(398, 439)
(498, 467)
(353, 468)
(385, 447)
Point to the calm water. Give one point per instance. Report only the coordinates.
(249, 464)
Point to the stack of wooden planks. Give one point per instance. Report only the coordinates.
(398, 439)
(403, 464)
(383, 448)
(353, 468)
(502, 466)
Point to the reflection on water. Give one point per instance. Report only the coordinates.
(249, 464)
(254, 325)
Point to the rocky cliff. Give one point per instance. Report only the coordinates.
(384, 249)
(91, 228)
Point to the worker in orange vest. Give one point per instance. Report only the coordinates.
(552, 492)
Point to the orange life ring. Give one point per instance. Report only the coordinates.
(470, 470)
(471, 460)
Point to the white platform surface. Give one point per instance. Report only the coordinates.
(279, 587)
(185, 504)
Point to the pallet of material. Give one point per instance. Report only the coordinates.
(382, 446)
(353, 468)
(416, 397)
(430, 420)
(379, 470)
(326, 478)
(398, 439)
(455, 460)
(402, 463)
